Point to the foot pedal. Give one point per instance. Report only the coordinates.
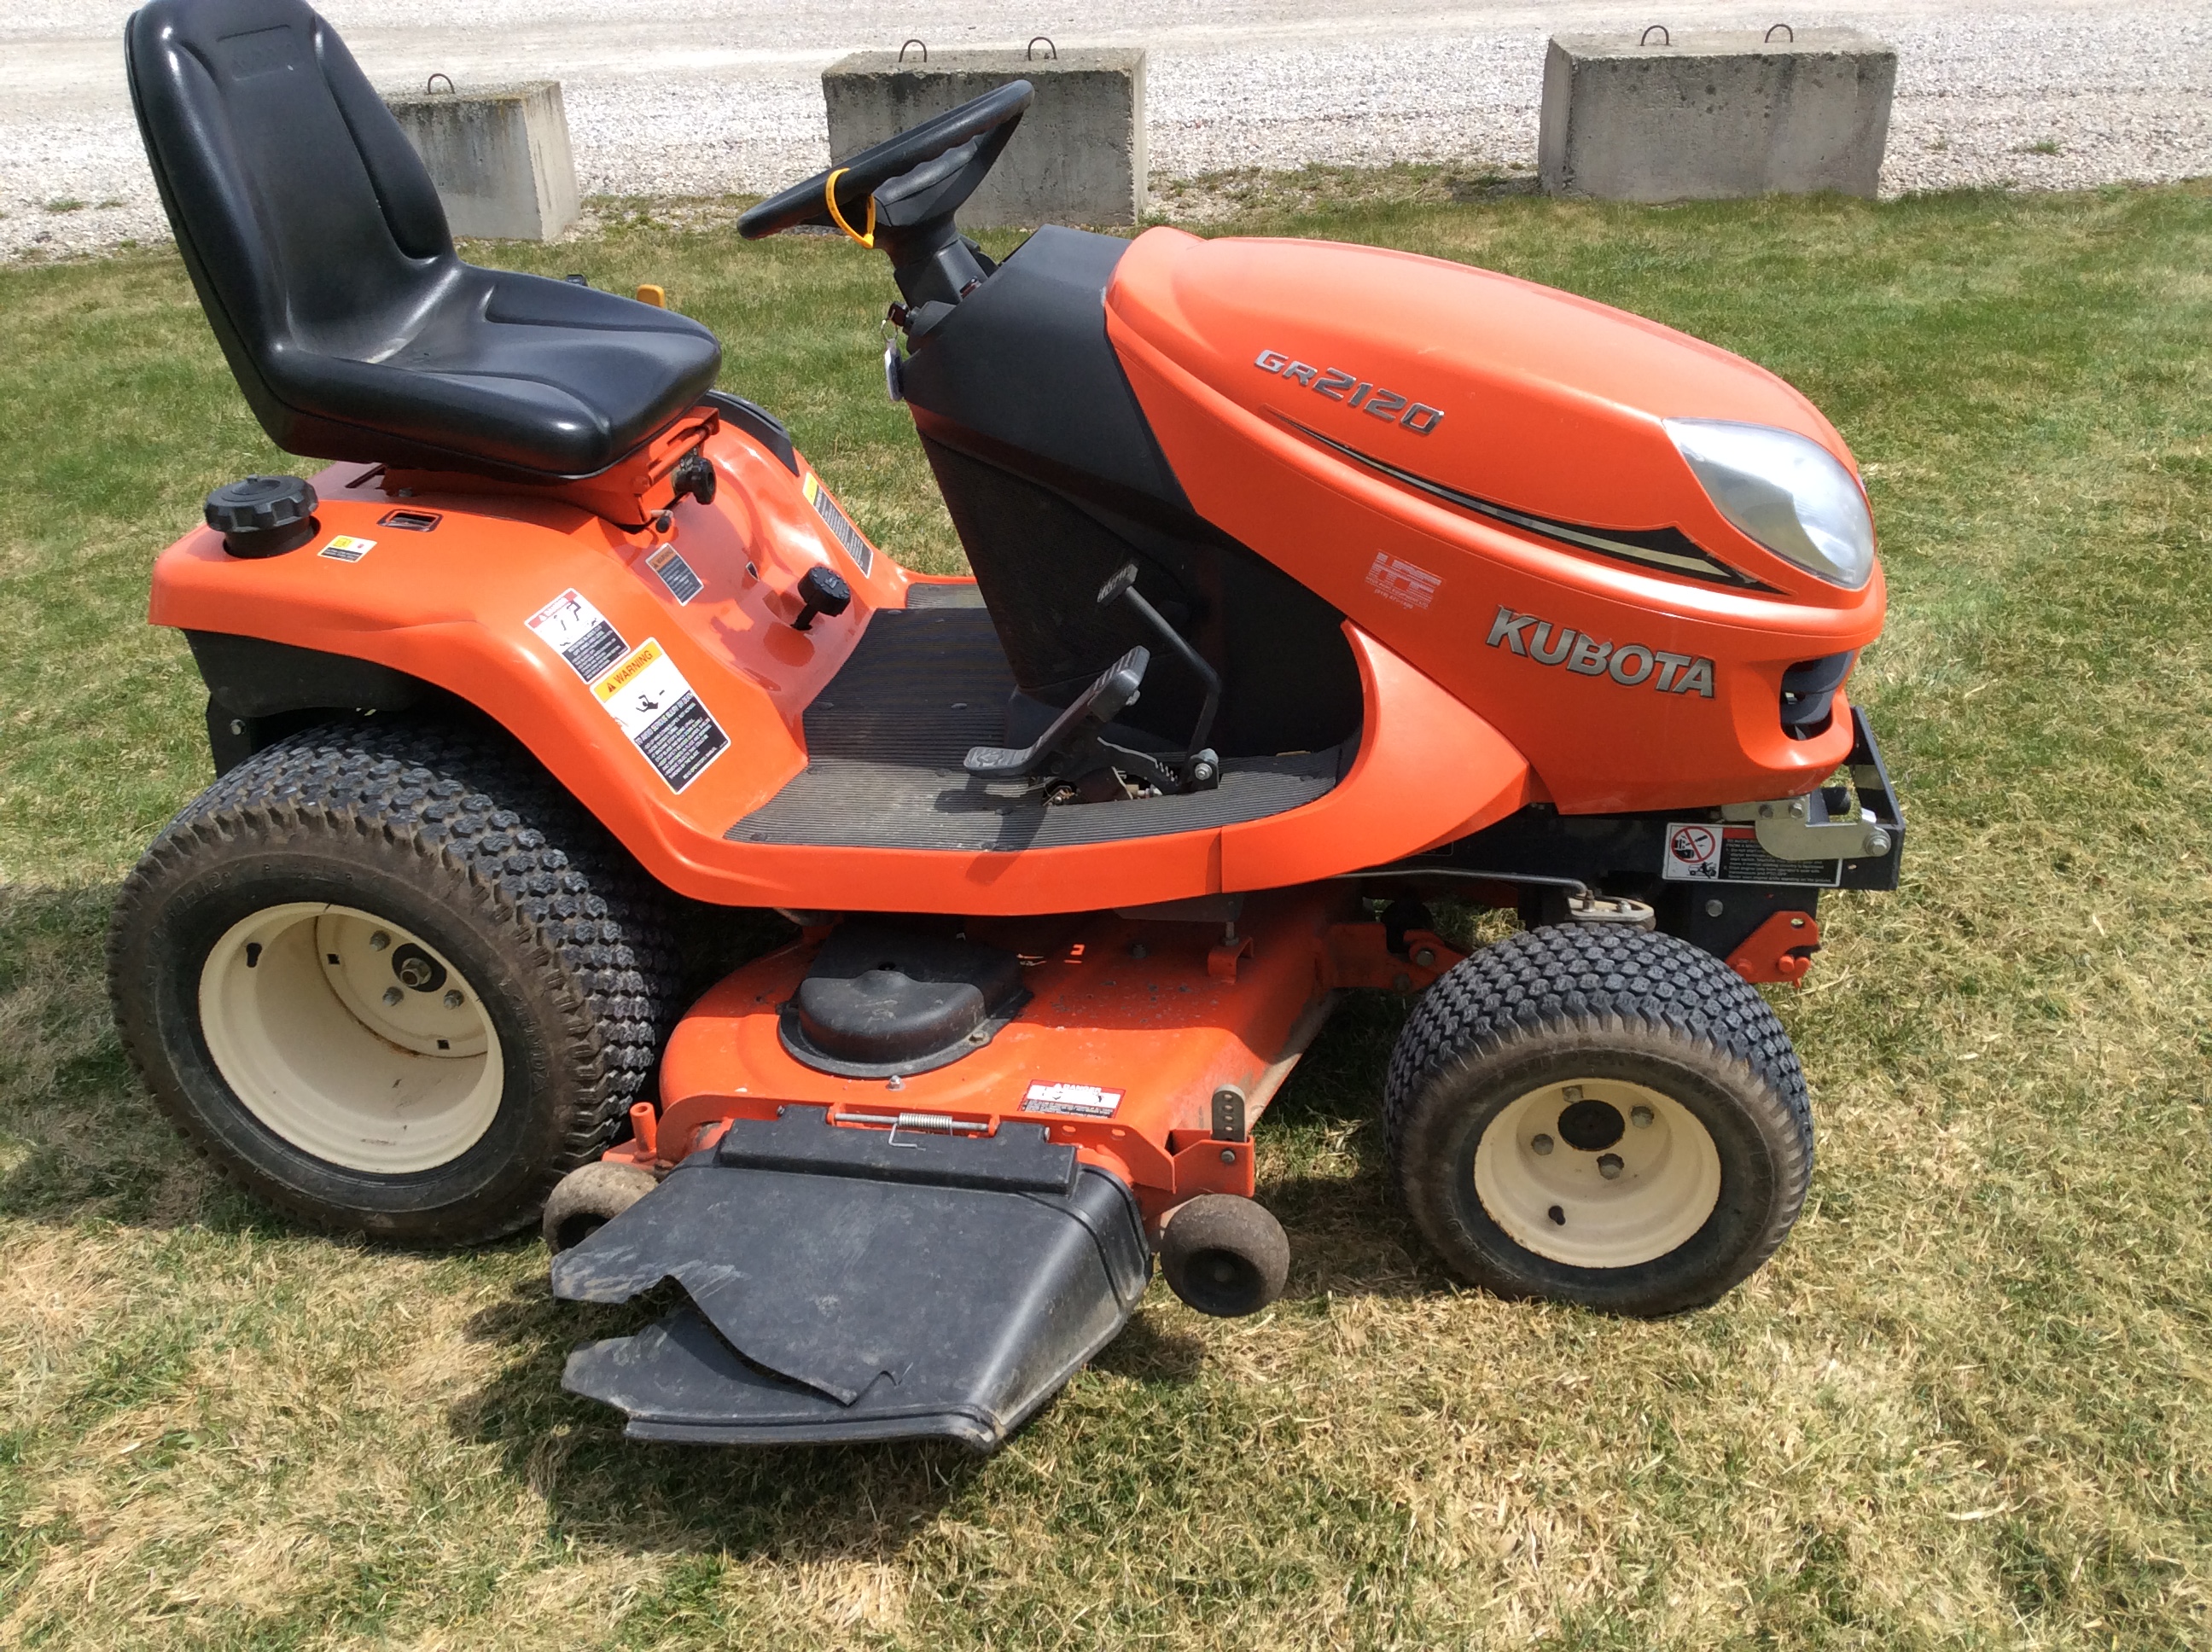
(856, 1284)
(1101, 703)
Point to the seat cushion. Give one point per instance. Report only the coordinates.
(540, 375)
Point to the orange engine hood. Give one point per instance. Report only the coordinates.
(1515, 394)
(1454, 459)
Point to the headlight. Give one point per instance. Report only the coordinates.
(1787, 492)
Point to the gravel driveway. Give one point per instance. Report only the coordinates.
(710, 96)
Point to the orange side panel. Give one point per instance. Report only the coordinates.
(1429, 770)
(453, 606)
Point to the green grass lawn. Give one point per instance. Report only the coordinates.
(1966, 1405)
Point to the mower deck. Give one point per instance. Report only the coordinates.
(885, 738)
(1133, 1030)
(935, 1252)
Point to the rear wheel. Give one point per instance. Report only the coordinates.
(1599, 1115)
(388, 977)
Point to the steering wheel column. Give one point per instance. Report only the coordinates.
(931, 259)
(907, 190)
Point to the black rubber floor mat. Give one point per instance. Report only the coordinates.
(886, 738)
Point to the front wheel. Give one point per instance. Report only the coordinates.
(1600, 1116)
(388, 977)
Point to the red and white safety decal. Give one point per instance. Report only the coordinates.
(1085, 1101)
(1698, 851)
(579, 634)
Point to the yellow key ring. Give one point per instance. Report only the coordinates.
(830, 200)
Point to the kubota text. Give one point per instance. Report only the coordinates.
(1630, 664)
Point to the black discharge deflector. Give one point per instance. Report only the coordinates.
(853, 1284)
(880, 1002)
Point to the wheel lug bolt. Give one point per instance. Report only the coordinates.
(379, 941)
(1609, 1165)
(392, 995)
(1541, 1143)
(453, 997)
(1641, 1117)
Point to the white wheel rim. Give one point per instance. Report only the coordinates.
(319, 1020)
(1556, 1197)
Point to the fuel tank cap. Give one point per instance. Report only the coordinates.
(263, 515)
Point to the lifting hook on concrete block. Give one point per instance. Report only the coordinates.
(1049, 46)
(1786, 29)
(1665, 38)
(430, 86)
(924, 44)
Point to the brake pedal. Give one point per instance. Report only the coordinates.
(1101, 702)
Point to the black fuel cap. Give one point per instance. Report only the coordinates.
(263, 515)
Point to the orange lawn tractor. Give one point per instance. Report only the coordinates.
(1310, 582)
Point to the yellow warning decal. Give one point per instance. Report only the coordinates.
(641, 659)
(646, 696)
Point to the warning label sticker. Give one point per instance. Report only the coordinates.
(682, 582)
(345, 547)
(655, 707)
(579, 634)
(1699, 853)
(863, 555)
(1085, 1101)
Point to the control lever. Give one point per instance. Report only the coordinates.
(1202, 768)
(1101, 703)
(821, 591)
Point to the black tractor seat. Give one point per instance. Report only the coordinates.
(321, 255)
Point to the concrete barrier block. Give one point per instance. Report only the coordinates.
(1714, 114)
(500, 158)
(1079, 157)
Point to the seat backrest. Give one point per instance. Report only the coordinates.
(305, 219)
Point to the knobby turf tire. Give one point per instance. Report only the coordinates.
(448, 828)
(1550, 1004)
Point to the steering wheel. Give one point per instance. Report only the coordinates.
(981, 125)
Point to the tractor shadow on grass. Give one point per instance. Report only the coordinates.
(94, 1146)
(868, 1502)
(794, 1502)
(1347, 1239)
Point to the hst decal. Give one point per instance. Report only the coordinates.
(1338, 386)
(1629, 664)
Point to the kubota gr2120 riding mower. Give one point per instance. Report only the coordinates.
(1310, 581)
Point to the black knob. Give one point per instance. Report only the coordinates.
(694, 474)
(263, 515)
(823, 592)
